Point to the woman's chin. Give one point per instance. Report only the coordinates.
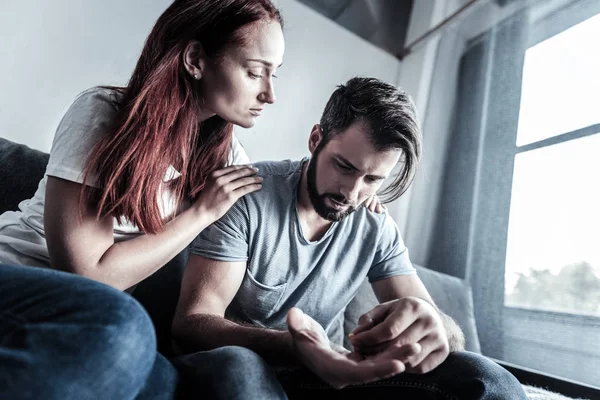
(246, 122)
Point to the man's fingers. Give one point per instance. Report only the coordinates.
(413, 334)
(432, 350)
(429, 363)
(366, 321)
(385, 331)
(301, 326)
(374, 370)
(400, 353)
(371, 350)
(296, 321)
(427, 346)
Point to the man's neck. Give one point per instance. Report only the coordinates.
(313, 225)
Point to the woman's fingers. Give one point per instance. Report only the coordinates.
(241, 182)
(229, 174)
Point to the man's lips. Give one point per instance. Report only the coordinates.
(337, 204)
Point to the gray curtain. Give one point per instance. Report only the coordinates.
(469, 238)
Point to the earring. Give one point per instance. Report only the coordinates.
(197, 76)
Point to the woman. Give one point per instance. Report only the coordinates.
(135, 173)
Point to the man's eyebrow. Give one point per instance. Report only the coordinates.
(265, 62)
(352, 166)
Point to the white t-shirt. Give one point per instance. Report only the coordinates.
(22, 237)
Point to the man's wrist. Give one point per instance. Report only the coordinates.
(286, 343)
(456, 338)
(286, 351)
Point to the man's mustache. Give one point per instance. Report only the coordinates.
(339, 198)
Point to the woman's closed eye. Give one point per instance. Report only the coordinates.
(258, 75)
(254, 76)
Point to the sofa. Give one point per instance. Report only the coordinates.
(21, 169)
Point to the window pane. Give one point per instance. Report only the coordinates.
(561, 84)
(553, 249)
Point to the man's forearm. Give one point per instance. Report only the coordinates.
(205, 332)
(456, 338)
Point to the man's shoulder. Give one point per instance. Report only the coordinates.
(274, 169)
(364, 214)
(377, 223)
(280, 180)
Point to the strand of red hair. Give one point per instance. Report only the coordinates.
(158, 125)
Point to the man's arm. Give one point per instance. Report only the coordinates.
(397, 287)
(208, 287)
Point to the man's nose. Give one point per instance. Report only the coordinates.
(350, 190)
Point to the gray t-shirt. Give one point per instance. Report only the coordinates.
(283, 268)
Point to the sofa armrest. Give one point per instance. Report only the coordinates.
(451, 294)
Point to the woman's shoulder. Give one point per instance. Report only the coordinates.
(95, 107)
(99, 98)
(91, 115)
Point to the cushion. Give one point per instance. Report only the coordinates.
(452, 295)
(21, 169)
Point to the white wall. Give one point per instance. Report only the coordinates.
(415, 78)
(52, 50)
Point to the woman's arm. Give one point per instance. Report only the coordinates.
(86, 245)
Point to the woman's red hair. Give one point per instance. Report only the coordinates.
(157, 124)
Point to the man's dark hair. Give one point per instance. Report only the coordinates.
(390, 116)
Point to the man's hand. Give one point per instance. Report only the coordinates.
(336, 366)
(389, 327)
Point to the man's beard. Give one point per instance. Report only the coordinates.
(318, 200)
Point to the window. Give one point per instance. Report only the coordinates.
(519, 212)
(553, 251)
(552, 275)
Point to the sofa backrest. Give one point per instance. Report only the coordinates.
(21, 169)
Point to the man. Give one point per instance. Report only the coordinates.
(274, 273)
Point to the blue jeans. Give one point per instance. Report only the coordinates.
(463, 376)
(228, 373)
(66, 337)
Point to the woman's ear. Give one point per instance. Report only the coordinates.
(194, 59)
(316, 135)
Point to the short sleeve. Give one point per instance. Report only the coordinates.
(391, 256)
(237, 154)
(86, 121)
(227, 239)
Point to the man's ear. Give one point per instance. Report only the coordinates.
(316, 135)
(194, 59)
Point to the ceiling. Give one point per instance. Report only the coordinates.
(384, 23)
